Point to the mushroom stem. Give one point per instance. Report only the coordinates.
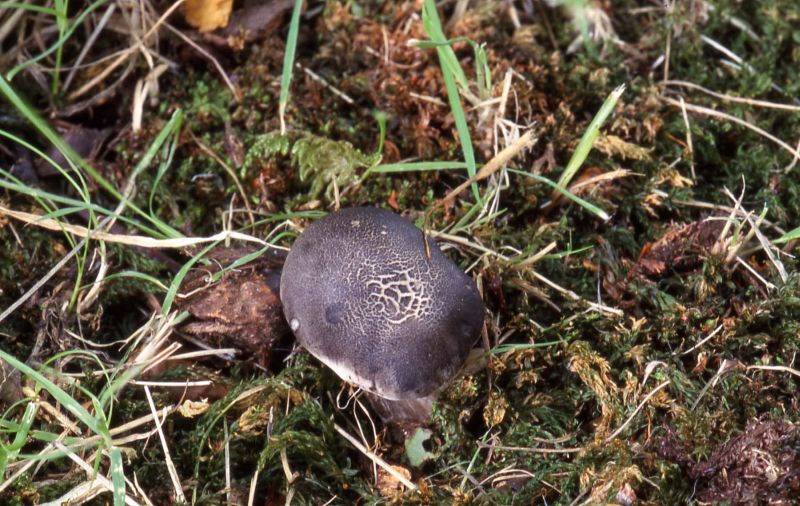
(403, 412)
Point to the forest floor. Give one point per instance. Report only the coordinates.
(642, 297)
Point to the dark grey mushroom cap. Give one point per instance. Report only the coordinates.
(362, 296)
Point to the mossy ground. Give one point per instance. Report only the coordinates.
(536, 424)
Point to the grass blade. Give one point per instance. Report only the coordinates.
(117, 475)
(451, 72)
(176, 282)
(288, 62)
(73, 406)
(568, 194)
(389, 168)
(589, 136)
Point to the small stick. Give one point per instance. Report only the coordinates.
(689, 143)
(780, 368)
(373, 457)
(704, 340)
(733, 98)
(711, 112)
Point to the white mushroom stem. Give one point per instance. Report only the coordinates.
(373, 457)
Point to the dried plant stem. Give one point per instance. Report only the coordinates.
(131, 240)
(374, 458)
(728, 117)
(636, 411)
(173, 473)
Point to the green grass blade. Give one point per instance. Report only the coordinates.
(73, 158)
(41, 194)
(134, 275)
(29, 7)
(244, 260)
(73, 406)
(288, 61)
(568, 194)
(433, 27)
(117, 475)
(20, 437)
(62, 23)
(788, 236)
(167, 155)
(389, 168)
(176, 282)
(589, 136)
(381, 118)
(60, 42)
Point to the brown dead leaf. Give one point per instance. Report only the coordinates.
(255, 19)
(86, 142)
(682, 247)
(208, 15)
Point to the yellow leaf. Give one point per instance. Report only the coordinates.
(207, 15)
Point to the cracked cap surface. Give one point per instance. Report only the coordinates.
(361, 295)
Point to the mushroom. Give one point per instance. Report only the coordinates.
(362, 295)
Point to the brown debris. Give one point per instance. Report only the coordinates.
(255, 19)
(10, 384)
(760, 466)
(86, 142)
(682, 248)
(389, 486)
(242, 310)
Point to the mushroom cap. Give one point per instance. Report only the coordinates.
(361, 295)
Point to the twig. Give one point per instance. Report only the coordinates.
(57, 267)
(704, 340)
(732, 98)
(574, 296)
(124, 56)
(689, 143)
(376, 459)
(525, 449)
(725, 367)
(502, 158)
(755, 273)
(88, 45)
(251, 496)
(236, 93)
(316, 77)
(711, 112)
(779, 368)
